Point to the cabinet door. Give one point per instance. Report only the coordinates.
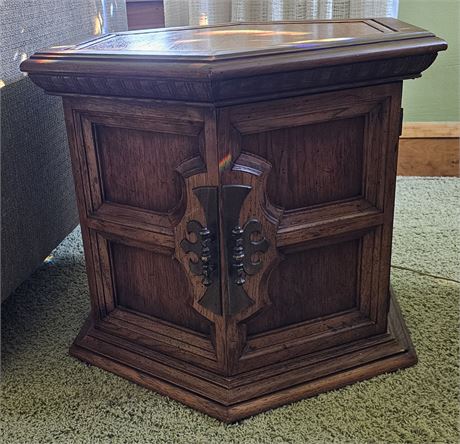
(318, 171)
(143, 174)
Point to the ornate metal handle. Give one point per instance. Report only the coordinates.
(206, 249)
(244, 249)
(203, 249)
(206, 256)
(238, 255)
(239, 246)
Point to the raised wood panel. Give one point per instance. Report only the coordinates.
(148, 130)
(154, 284)
(312, 164)
(346, 271)
(143, 176)
(310, 284)
(323, 148)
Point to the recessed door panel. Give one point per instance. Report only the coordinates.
(310, 284)
(145, 176)
(154, 284)
(311, 164)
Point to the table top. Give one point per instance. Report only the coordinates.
(210, 54)
(235, 40)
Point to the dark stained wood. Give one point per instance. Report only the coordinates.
(140, 285)
(308, 285)
(156, 185)
(254, 393)
(311, 165)
(166, 64)
(271, 155)
(234, 39)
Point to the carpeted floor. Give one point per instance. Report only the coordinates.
(48, 397)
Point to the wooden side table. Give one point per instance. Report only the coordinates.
(236, 186)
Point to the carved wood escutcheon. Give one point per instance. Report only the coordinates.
(240, 248)
(249, 227)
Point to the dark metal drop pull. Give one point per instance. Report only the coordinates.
(202, 248)
(238, 256)
(206, 249)
(244, 248)
(252, 247)
(239, 248)
(206, 256)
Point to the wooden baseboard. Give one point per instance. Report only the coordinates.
(429, 149)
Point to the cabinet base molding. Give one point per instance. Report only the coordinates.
(233, 398)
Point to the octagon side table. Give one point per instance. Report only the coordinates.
(235, 186)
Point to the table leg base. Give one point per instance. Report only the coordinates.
(391, 352)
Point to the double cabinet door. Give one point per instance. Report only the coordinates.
(236, 237)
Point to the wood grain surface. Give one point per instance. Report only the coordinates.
(430, 149)
(236, 197)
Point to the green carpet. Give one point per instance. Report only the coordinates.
(49, 397)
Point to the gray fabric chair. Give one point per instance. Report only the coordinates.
(38, 206)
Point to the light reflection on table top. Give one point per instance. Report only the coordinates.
(235, 38)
